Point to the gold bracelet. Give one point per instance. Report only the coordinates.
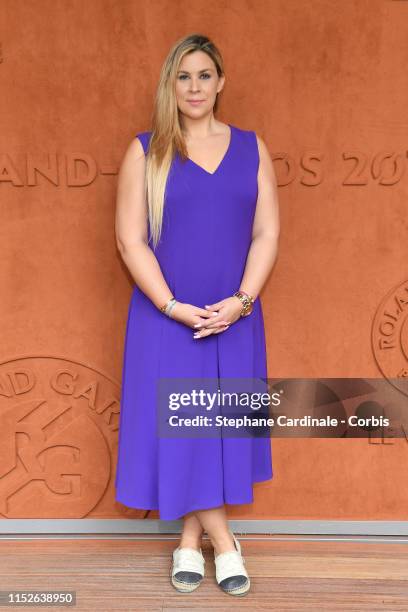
(247, 302)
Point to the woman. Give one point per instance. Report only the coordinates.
(197, 226)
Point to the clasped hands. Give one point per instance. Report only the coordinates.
(213, 319)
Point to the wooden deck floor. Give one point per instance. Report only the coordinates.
(286, 574)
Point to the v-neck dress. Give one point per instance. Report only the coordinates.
(206, 236)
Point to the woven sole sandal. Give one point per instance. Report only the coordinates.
(230, 572)
(187, 570)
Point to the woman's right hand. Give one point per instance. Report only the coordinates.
(191, 315)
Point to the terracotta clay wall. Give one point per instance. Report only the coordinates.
(325, 84)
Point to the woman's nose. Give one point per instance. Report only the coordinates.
(194, 86)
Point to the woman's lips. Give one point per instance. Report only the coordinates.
(195, 102)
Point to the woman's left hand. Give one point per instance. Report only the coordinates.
(229, 310)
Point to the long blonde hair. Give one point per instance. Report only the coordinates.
(167, 138)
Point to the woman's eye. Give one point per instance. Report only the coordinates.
(182, 77)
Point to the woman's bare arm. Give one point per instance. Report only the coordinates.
(131, 227)
(266, 227)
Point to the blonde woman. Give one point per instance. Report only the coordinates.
(197, 226)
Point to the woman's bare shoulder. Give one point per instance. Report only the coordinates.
(133, 158)
(135, 149)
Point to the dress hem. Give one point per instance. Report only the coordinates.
(193, 509)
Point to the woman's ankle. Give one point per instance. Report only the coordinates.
(223, 542)
(189, 541)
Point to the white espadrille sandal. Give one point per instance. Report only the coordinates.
(230, 572)
(187, 569)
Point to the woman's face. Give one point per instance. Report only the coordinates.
(197, 80)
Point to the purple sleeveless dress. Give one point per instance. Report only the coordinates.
(206, 235)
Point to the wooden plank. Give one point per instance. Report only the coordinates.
(133, 575)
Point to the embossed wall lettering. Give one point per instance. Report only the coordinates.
(310, 169)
